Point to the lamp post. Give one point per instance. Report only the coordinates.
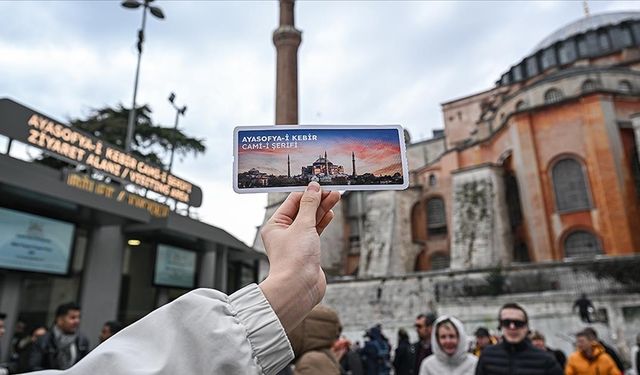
(156, 12)
(179, 111)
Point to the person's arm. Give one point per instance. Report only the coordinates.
(296, 282)
(207, 332)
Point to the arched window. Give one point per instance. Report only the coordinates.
(440, 262)
(433, 180)
(581, 244)
(552, 96)
(436, 218)
(570, 186)
(588, 85)
(625, 86)
(521, 105)
(603, 39)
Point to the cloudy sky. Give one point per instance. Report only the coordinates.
(360, 62)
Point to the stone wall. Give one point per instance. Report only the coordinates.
(547, 291)
(480, 222)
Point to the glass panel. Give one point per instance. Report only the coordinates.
(552, 96)
(592, 44)
(570, 186)
(432, 180)
(567, 52)
(517, 72)
(603, 39)
(137, 294)
(588, 85)
(41, 295)
(436, 220)
(532, 66)
(440, 262)
(635, 30)
(625, 86)
(581, 244)
(548, 58)
(582, 47)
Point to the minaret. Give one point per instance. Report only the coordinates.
(288, 166)
(326, 164)
(353, 163)
(287, 39)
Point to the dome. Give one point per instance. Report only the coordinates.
(585, 24)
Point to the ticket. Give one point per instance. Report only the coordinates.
(285, 158)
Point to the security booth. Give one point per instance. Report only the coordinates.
(90, 234)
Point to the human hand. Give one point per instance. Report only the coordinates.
(296, 282)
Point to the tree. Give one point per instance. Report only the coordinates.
(150, 142)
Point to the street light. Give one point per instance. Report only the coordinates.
(179, 111)
(156, 12)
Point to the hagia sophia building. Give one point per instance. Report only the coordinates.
(533, 186)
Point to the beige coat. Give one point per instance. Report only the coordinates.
(312, 341)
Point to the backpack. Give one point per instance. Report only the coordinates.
(383, 357)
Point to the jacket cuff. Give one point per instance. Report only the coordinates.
(268, 339)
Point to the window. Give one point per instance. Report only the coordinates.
(532, 66)
(582, 47)
(521, 105)
(436, 219)
(552, 96)
(570, 186)
(581, 244)
(354, 235)
(588, 85)
(625, 86)
(440, 262)
(521, 253)
(517, 72)
(621, 37)
(603, 40)
(635, 169)
(433, 180)
(567, 52)
(549, 58)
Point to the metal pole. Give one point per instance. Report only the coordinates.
(132, 113)
(173, 144)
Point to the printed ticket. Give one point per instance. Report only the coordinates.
(284, 158)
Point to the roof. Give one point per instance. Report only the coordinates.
(585, 24)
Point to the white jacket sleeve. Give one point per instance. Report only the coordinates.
(202, 332)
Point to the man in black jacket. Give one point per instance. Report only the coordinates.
(420, 350)
(63, 346)
(515, 354)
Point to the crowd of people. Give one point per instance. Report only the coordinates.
(278, 326)
(60, 346)
(443, 347)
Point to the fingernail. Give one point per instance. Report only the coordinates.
(313, 186)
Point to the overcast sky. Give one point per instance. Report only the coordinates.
(360, 62)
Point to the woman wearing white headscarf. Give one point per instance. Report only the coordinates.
(450, 354)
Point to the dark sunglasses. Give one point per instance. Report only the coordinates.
(418, 325)
(506, 323)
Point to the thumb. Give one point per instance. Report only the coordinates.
(309, 204)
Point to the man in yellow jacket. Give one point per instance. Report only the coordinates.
(590, 358)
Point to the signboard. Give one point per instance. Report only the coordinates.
(174, 267)
(84, 182)
(75, 146)
(34, 243)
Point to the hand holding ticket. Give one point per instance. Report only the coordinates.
(286, 158)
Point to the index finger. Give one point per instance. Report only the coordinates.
(288, 210)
